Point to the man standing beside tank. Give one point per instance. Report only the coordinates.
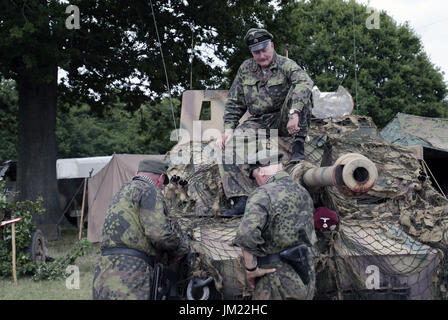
(136, 232)
(276, 234)
(277, 94)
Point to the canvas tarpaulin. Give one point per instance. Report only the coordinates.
(80, 167)
(410, 130)
(103, 186)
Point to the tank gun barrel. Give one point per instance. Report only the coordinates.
(352, 173)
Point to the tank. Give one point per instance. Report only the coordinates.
(391, 239)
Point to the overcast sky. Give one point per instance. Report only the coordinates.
(429, 20)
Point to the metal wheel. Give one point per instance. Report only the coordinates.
(204, 290)
(38, 251)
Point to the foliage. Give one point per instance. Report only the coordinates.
(394, 73)
(8, 119)
(24, 230)
(80, 133)
(116, 46)
(57, 269)
(115, 49)
(145, 131)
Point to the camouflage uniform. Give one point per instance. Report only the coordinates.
(275, 212)
(137, 219)
(268, 98)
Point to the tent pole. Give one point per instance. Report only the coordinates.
(13, 240)
(69, 204)
(82, 209)
(424, 167)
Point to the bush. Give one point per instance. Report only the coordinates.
(57, 269)
(24, 230)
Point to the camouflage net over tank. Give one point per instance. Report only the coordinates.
(400, 226)
(398, 230)
(197, 206)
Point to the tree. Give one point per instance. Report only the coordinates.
(116, 48)
(79, 133)
(8, 120)
(394, 73)
(145, 131)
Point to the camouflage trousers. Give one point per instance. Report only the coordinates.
(121, 277)
(284, 284)
(234, 169)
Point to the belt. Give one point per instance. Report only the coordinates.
(270, 258)
(129, 252)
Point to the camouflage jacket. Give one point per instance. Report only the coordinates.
(265, 94)
(137, 219)
(275, 214)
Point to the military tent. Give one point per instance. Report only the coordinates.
(103, 186)
(429, 137)
(71, 174)
(80, 167)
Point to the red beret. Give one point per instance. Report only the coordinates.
(324, 218)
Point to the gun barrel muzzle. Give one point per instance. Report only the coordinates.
(352, 173)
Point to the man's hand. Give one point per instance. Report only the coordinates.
(252, 275)
(293, 124)
(222, 141)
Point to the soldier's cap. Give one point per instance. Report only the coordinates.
(257, 39)
(263, 158)
(156, 166)
(325, 219)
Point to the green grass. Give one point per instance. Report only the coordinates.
(28, 289)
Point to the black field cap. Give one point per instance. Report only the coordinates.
(155, 166)
(257, 39)
(262, 159)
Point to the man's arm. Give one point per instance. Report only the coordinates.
(249, 234)
(252, 270)
(301, 90)
(157, 225)
(235, 106)
(303, 86)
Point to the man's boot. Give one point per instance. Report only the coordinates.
(238, 208)
(298, 151)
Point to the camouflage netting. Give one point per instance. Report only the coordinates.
(400, 226)
(398, 230)
(196, 206)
